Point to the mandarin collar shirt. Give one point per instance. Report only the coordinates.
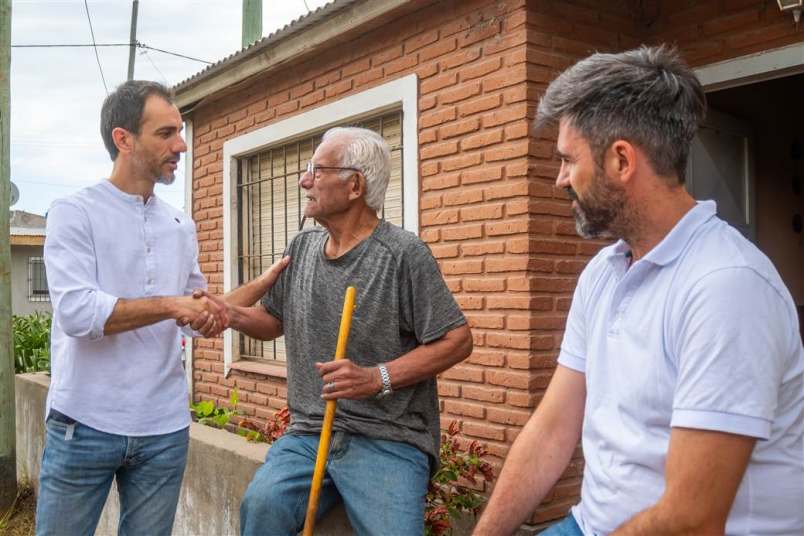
(101, 245)
(699, 333)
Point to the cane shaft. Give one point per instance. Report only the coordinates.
(329, 416)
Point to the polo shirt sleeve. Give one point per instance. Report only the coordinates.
(732, 339)
(81, 306)
(573, 346)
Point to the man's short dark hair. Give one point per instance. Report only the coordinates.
(647, 96)
(123, 109)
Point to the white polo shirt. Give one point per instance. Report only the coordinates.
(699, 333)
(103, 244)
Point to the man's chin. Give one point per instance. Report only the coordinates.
(167, 180)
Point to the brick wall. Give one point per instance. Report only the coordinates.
(502, 233)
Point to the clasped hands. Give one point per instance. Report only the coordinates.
(205, 313)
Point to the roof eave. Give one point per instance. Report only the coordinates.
(274, 51)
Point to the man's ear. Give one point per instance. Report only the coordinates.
(358, 186)
(620, 160)
(123, 140)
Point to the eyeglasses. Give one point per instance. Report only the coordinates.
(312, 169)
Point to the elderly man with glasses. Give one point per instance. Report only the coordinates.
(406, 329)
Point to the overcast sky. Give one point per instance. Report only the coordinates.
(56, 93)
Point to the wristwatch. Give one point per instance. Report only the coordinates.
(386, 382)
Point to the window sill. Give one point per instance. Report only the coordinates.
(266, 369)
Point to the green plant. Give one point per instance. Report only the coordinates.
(31, 335)
(207, 413)
(447, 499)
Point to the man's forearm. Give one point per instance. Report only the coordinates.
(428, 360)
(247, 294)
(255, 322)
(532, 467)
(137, 313)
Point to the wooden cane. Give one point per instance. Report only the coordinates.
(329, 416)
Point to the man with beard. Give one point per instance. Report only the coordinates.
(121, 264)
(681, 367)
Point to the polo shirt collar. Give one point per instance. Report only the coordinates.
(676, 240)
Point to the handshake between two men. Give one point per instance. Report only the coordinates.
(209, 314)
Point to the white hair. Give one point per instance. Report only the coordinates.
(367, 151)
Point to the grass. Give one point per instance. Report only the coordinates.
(19, 519)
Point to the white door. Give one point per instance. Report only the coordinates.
(721, 168)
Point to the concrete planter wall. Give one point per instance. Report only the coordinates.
(219, 467)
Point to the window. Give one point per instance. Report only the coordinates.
(263, 203)
(271, 206)
(37, 280)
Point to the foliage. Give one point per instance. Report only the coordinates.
(269, 433)
(447, 499)
(207, 413)
(31, 336)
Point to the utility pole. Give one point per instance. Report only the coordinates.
(8, 437)
(252, 21)
(132, 40)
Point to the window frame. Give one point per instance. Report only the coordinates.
(33, 296)
(398, 94)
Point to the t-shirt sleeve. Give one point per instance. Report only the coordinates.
(573, 346)
(428, 309)
(732, 341)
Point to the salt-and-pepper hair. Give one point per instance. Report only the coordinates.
(367, 151)
(647, 96)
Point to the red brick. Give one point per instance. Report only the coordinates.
(508, 416)
(480, 69)
(400, 64)
(444, 252)
(437, 118)
(484, 431)
(483, 393)
(439, 217)
(462, 232)
(288, 107)
(463, 196)
(462, 267)
(464, 373)
(486, 321)
(443, 46)
(505, 115)
(461, 127)
(462, 58)
(482, 248)
(301, 90)
(312, 98)
(481, 139)
(460, 93)
(447, 389)
(479, 32)
(390, 53)
(461, 162)
(507, 151)
(531, 303)
(485, 212)
(440, 182)
(356, 67)
(421, 40)
(429, 168)
(521, 399)
(519, 263)
(368, 76)
(482, 104)
(467, 303)
(465, 409)
(440, 149)
(504, 378)
(484, 285)
(484, 174)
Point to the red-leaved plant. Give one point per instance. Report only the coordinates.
(447, 499)
(268, 433)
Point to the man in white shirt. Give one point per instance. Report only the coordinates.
(121, 265)
(681, 367)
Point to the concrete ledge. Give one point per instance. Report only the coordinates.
(220, 466)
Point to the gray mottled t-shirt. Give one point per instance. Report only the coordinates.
(401, 303)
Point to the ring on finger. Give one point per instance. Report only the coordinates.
(330, 386)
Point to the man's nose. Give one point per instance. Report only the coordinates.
(181, 146)
(305, 180)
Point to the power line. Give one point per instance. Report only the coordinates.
(148, 57)
(92, 32)
(137, 44)
(143, 45)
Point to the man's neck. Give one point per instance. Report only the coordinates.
(347, 230)
(126, 179)
(652, 217)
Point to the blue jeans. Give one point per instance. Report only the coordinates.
(566, 527)
(78, 466)
(383, 485)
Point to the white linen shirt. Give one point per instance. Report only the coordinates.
(103, 244)
(700, 333)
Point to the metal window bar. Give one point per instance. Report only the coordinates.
(259, 244)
